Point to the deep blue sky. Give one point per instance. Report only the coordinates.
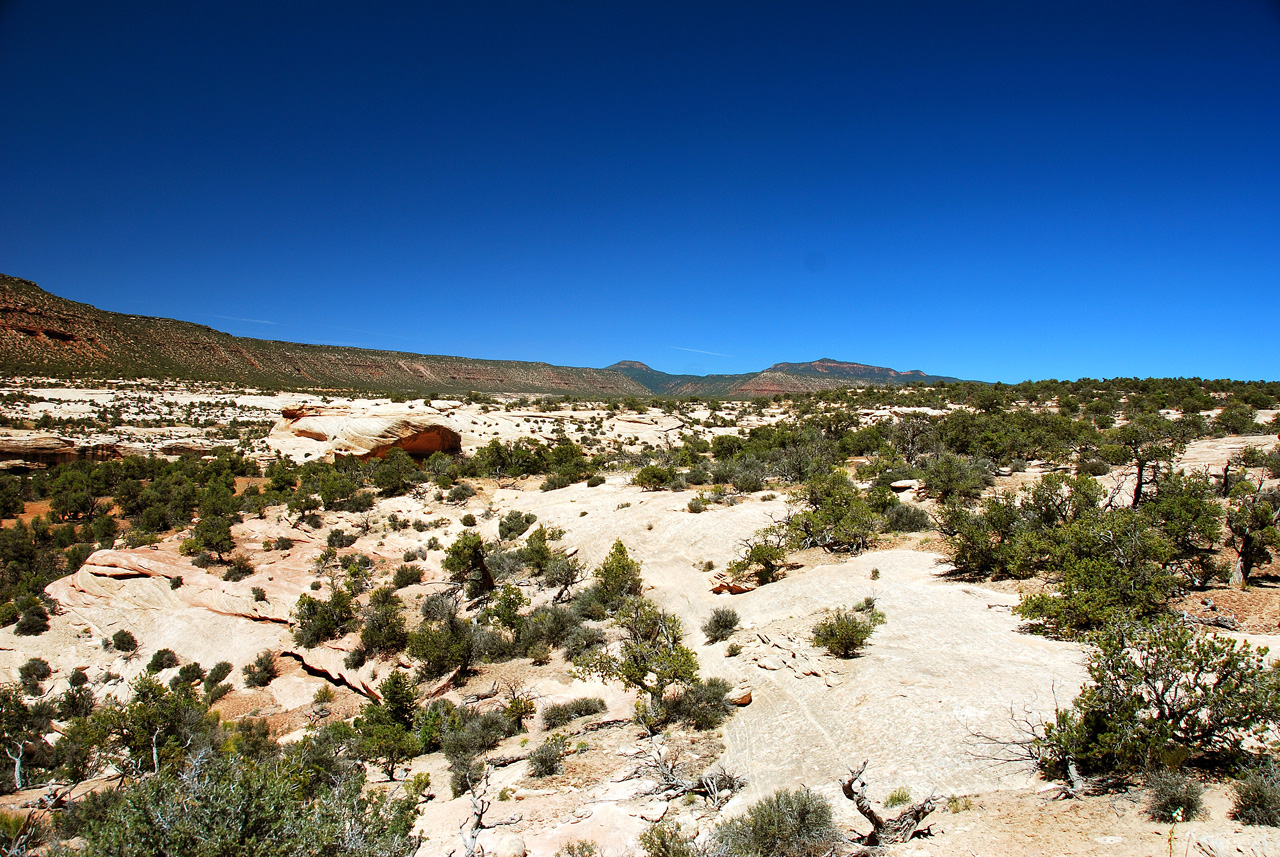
(1000, 191)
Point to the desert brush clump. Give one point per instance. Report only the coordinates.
(845, 631)
(561, 714)
(721, 624)
(1255, 796)
(1173, 796)
(787, 823)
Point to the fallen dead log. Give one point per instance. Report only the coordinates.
(1226, 622)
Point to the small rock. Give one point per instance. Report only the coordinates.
(740, 695)
(653, 812)
(502, 843)
(521, 794)
(833, 681)
(905, 485)
(769, 662)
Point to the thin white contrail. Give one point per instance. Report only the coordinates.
(698, 351)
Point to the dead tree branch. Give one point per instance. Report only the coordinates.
(885, 831)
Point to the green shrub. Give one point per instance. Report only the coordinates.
(32, 673)
(652, 477)
(547, 759)
(34, 621)
(261, 672)
(721, 624)
(406, 575)
(9, 614)
(1172, 796)
(220, 671)
(556, 481)
(123, 641)
(175, 582)
(238, 569)
(701, 705)
(163, 659)
(845, 631)
(259, 594)
(901, 796)
(949, 475)
(515, 524)
(1158, 687)
(190, 673)
(468, 520)
(560, 714)
(460, 493)
(282, 543)
(582, 639)
(785, 824)
(384, 629)
(665, 839)
(1255, 797)
(356, 658)
(595, 481)
(319, 621)
(904, 518)
(340, 539)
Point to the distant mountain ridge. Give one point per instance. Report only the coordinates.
(823, 374)
(43, 334)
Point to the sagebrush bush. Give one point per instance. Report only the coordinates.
(665, 839)
(581, 639)
(701, 705)
(460, 493)
(547, 759)
(555, 716)
(721, 624)
(239, 568)
(1255, 797)
(905, 518)
(1172, 796)
(845, 631)
(785, 824)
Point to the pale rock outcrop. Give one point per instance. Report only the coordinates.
(101, 581)
(30, 447)
(323, 431)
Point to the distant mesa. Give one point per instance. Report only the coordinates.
(45, 335)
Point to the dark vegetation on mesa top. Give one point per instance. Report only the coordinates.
(43, 334)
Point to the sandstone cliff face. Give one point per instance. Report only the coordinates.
(326, 431)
